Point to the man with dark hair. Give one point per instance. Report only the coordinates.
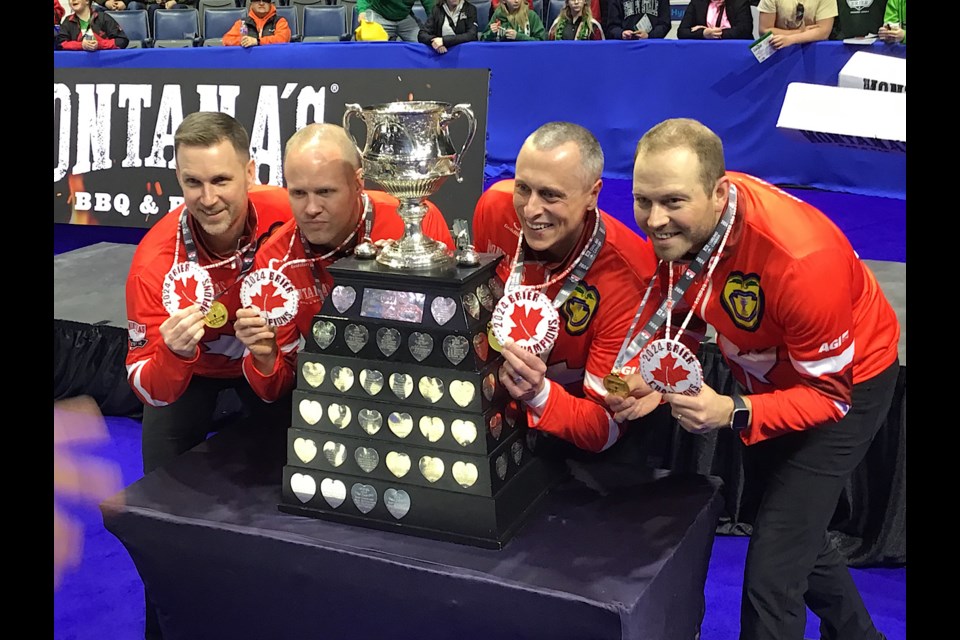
(811, 341)
(574, 266)
(182, 294)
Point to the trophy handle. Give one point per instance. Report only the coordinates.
(464, 109)
(351, 110)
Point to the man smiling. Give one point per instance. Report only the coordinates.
(812, 342)
(182, 294)
(588, 266)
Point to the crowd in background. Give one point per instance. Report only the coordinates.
(88, 25)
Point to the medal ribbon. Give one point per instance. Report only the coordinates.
(632, 345)
(366, 219)
(244, 255)
(576, 271)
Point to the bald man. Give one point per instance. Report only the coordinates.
(331, 215)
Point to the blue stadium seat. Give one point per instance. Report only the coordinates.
(134, 24)
(299, 6)
(553, 10)
(324, 23)
(203, 5)
(419, 13)
(176, 28)
(483, 13)
(290, 14)
(216, 23)
(538, 9)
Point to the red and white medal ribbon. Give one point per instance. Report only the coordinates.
(667, 365)
(527, 316)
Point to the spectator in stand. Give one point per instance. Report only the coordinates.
(513, 20)
(57, 18)
(575, 22)
(452, 22)
(856, 18)
(121, 5)
(152, 5)
(795, 22)
(261, 26)
(894, 27)
(395, 16)
(716, 20)
(89, 30)
(637, 19)
(597, 7)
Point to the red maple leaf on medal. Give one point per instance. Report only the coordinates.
(525, 321)
(669, 373)
(268, 299)
(186, 290)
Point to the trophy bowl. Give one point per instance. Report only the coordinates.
(408, 152)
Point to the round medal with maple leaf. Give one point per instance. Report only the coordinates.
(668, 366)
(185, 284)
(528, 318)
(272, 294)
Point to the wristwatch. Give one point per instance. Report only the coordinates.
(740, 419)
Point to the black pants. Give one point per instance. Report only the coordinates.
(791, 563)
(208, 405)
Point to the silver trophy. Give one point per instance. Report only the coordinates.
(409, 153)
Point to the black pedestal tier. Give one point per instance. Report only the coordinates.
(399, 419)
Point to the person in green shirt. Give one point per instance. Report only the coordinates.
(894, 27)
(513, 20)
(395, 16)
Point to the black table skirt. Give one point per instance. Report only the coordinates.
(610, 552)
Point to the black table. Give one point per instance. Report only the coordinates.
(611, 552)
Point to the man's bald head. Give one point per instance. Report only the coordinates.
(329, 137)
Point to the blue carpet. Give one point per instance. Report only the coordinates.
(102, 598)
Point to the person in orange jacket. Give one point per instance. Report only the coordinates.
(261, 26)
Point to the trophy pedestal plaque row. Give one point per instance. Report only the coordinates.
(399, 419)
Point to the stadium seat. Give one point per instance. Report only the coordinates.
(176, 28)
(538, 9)
(419, 13)
(203, 5)
(217, 22)
(300, 4)
(483, 13)
(134, 24)
(290, 15)
(553, 10)
(324, 23)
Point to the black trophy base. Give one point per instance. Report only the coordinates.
(477, 521)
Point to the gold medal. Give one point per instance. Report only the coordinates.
(616, 386)
(217, 316)
(492, 338)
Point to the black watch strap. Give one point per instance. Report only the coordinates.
(740, 419)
